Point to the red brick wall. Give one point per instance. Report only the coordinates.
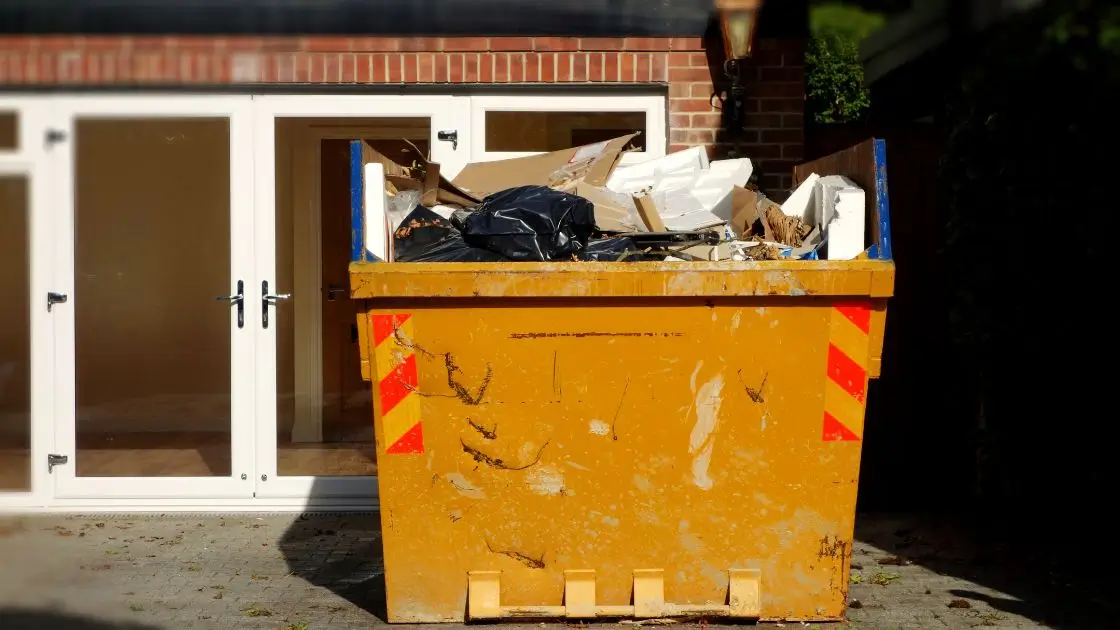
(773, 136)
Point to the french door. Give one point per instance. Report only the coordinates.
(196, 333)
(156, 297)
(314, 431)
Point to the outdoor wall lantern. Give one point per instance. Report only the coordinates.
(738, 20)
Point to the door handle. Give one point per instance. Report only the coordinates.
(237, 299)
(333, 290)
(268, 300)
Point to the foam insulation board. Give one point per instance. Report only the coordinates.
(687, 197)
(377, 217)
(842, 209)
(800, 203)
(653, 173)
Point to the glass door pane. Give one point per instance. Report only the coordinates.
(546, 131)
(517, 126)
(155, 350)
(152, 218)
(15, 335)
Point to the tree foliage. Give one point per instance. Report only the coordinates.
(834, 87)
(834, 90)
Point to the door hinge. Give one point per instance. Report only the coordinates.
(55, 298)
(54, 136)
(450, 135)
(56, 460)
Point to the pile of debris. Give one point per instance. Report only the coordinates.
(590, 204)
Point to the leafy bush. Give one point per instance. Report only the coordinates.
(834, 87)
(834, 91)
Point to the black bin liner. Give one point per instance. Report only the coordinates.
(425, 236)
(618, 249)
(529, 223)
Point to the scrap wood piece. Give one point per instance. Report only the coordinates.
(788, 230)
(648, 212)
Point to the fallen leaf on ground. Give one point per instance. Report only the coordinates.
(882, 579)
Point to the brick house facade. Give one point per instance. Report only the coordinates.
(774, 76)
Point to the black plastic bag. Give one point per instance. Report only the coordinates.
(529, 223)
(425, 236)
(618, 249)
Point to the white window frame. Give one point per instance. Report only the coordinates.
(653, 106)
(26, 160)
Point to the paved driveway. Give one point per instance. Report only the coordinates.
(190, 571)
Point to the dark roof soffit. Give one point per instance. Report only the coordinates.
(587, 18)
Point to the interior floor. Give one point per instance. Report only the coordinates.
(15, 470)
(190, 455)
(327, 459)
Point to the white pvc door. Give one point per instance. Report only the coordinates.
(155, 351)
(314, 432)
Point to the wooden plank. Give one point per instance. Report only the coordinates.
(647, 210)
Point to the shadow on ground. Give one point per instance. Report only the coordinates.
(1048, 577)
(341, 555)
(1048, 580)
(25, 619)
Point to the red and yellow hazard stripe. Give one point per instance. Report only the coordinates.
(402, 432)
(845, 396)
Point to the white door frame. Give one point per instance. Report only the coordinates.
(28, 161)
(172, 490)
(653, 106)
(445, 113)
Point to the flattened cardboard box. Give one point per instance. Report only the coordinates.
(581, 171)
(402, 175)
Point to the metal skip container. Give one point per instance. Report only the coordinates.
(641, 440)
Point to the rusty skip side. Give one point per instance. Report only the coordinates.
(722, 440)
